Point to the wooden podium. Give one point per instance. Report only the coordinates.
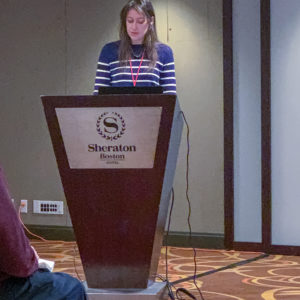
(116, 156)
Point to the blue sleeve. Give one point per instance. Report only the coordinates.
(103, 77)
(167, 73)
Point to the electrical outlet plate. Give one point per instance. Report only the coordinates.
(24, 206)
(48, 207)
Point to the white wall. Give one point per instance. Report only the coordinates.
(247, 124)
(52, 47)
(285, 95)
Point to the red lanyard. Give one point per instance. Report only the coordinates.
(137, 74)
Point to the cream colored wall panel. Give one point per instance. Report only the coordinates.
(195, 35)
(33, 57)
(52, 47)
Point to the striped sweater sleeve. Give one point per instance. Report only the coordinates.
(103, 77)
(167, 73)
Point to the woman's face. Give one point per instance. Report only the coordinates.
(137, 26)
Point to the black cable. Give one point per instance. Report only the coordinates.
(182, 290)
(171, 295)
(168, 283)
(190, 229)
(169, 287)
(168, 231)
(231, 266)
(189, 202)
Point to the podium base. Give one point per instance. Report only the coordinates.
(157, 291)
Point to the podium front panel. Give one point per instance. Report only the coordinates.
(110, 137)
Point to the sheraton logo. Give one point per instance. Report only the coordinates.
(111, 126)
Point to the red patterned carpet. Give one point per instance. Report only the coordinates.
(276, 277)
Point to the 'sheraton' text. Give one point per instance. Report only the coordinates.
(118, 148)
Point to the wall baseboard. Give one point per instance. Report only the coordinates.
(196, 240)
(51, 232)
(175, 239)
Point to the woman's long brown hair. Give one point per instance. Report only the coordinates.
(150, 39)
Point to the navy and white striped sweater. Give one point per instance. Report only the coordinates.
(110, 73)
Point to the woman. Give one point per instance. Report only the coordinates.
(138, 58)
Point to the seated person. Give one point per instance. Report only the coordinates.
(20, 276)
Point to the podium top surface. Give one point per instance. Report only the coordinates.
(110, 90)
(109, 100)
